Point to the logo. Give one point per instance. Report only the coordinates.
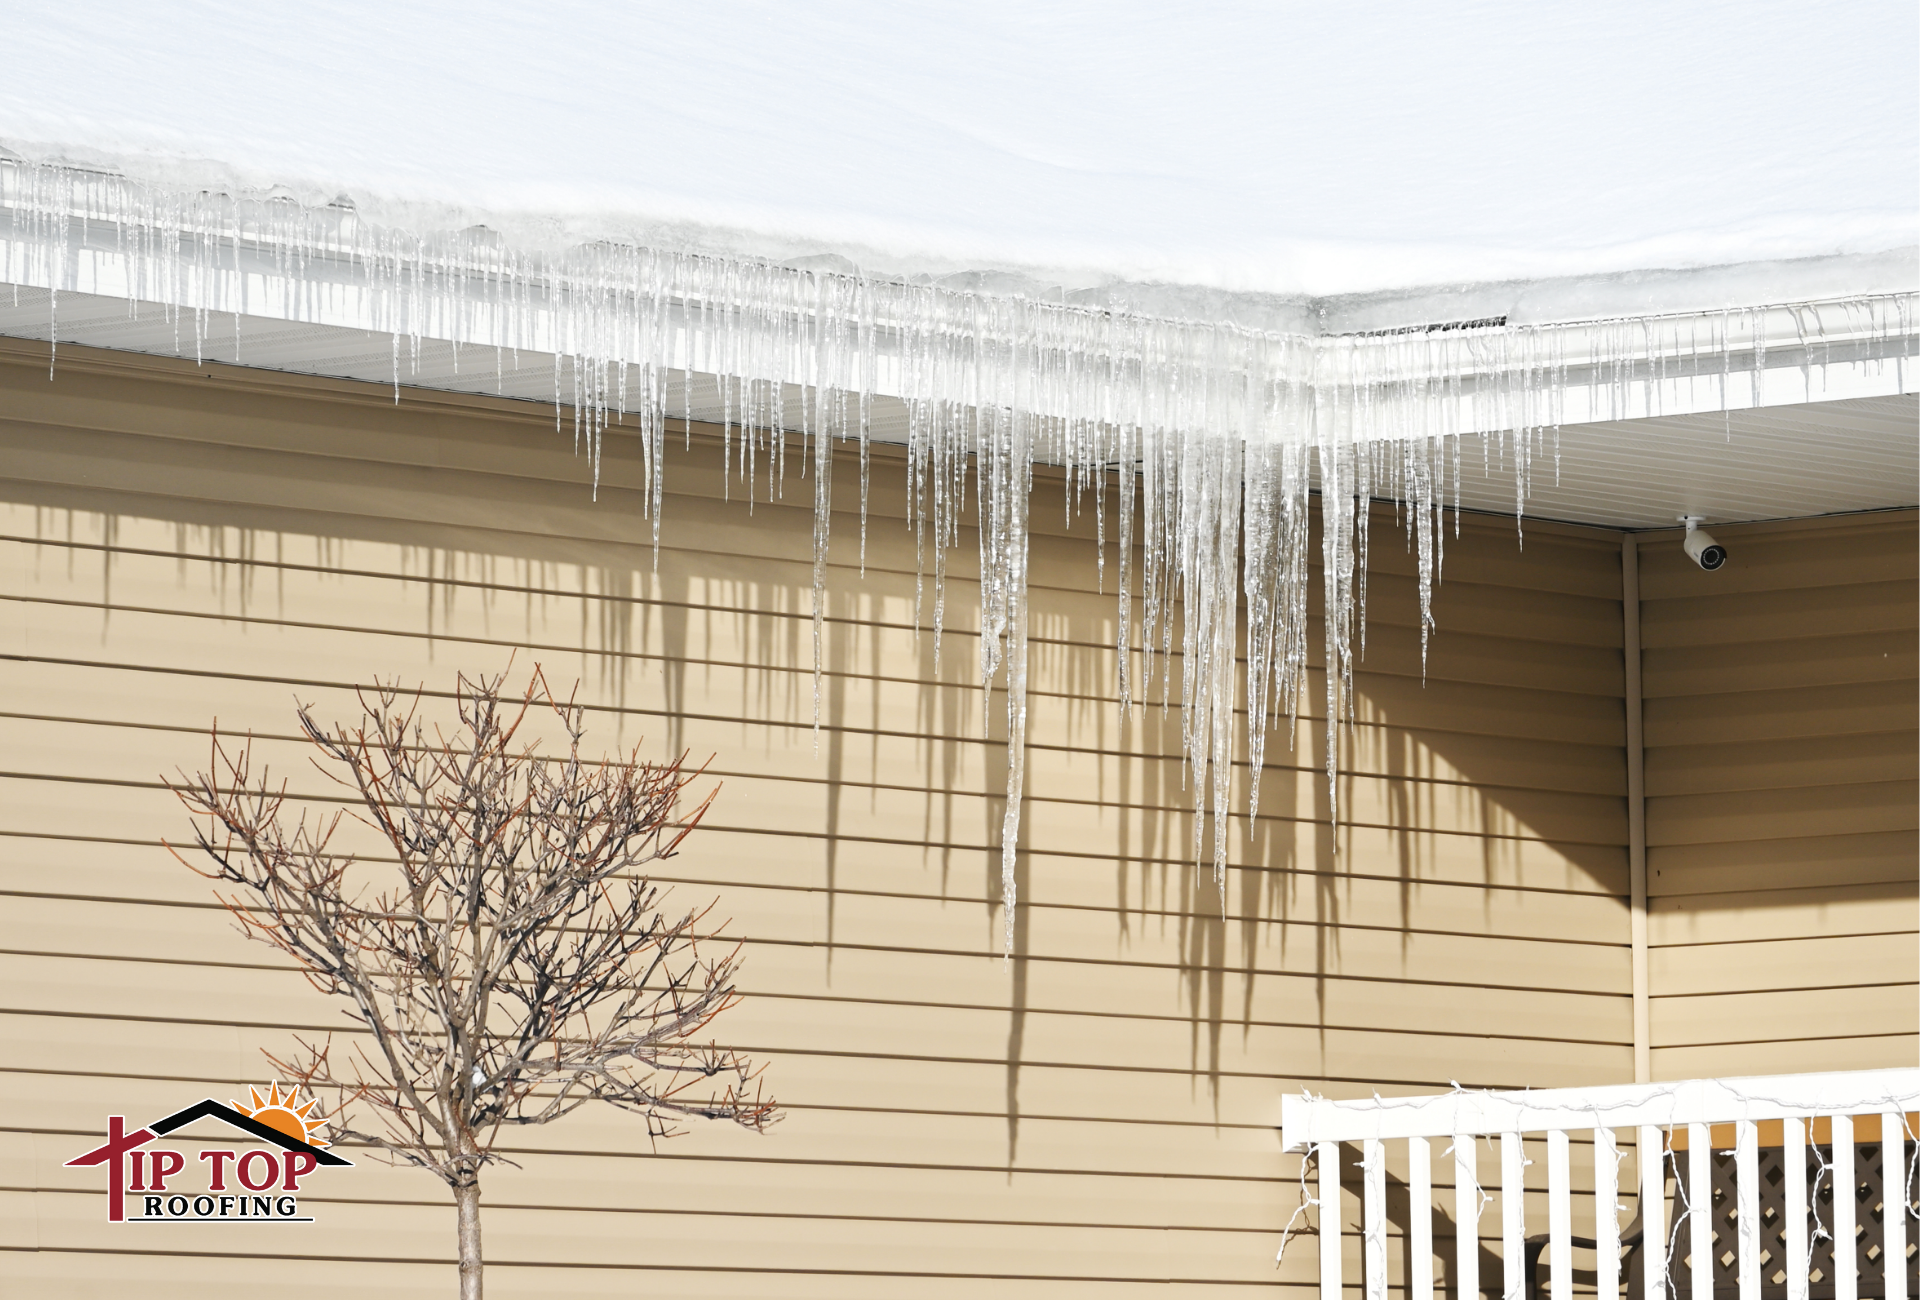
(151, 1184)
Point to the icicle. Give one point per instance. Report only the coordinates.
(822, 495)
(1220, 436)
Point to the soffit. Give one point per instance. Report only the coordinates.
(1783, 461)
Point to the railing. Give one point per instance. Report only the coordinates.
(1792, 1224)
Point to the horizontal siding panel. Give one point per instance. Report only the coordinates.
(1852, 710)
(77, 863)
(206, 1054)
(728, 689)
(1743, 618)
(643, 1247)
(895, 1208)
(1812, 962)
(1402, 780)
(818, 1157)
(1860, 808)
(1801, 862)
(1861, 1011)
(1300, 975)
(480, 595)
(113, 1268)
(1800, 1056)
(1785, 764)
(164, 1277)
(159, 991)
(145, 811)
(1109, 758)
(746, 614)
(1309, 935)
(239, 409)
(384, 439)
(253, 486)
(1782, 665)
(720, 600)
(87, 464)
(880, 1074)
(1392, 662)
(1286, 985)
(1783, 914)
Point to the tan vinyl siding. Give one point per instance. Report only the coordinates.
(1781, 798)
(1093, 1119)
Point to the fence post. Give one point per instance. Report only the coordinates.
(1466, 1217)
(1653, 1212)
(1373, 1217)
(1700, 1210)
(1606, 1214)
(1329, 1157)
(1559, 1214)
(1793, 1162)
(1420, 1216)
(1846, 1250)
(1513, 1214)
(1893, 1201)
(1746, 1194)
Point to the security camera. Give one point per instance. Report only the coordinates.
(1700, 546)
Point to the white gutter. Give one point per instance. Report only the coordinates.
(637, 316)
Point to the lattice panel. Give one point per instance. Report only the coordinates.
(1871, 1204)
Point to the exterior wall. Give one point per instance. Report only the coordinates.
(1782, 857)
(1098, 1115)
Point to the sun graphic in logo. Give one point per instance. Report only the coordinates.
(277, 1111)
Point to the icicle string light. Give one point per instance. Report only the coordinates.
(1219, 434)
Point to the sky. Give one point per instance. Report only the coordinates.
(1278, 148)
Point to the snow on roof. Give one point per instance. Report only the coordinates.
(1287, 149)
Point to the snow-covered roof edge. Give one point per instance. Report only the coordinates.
(1580, 345)
(1661, 287)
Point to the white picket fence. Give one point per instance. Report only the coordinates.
(1683, 1122)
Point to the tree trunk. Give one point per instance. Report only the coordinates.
(466, 1199)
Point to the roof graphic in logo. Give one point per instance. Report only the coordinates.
(274, 1119)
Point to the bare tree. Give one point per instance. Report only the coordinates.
(503, 950)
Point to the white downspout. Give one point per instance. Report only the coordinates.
(1636, 807)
